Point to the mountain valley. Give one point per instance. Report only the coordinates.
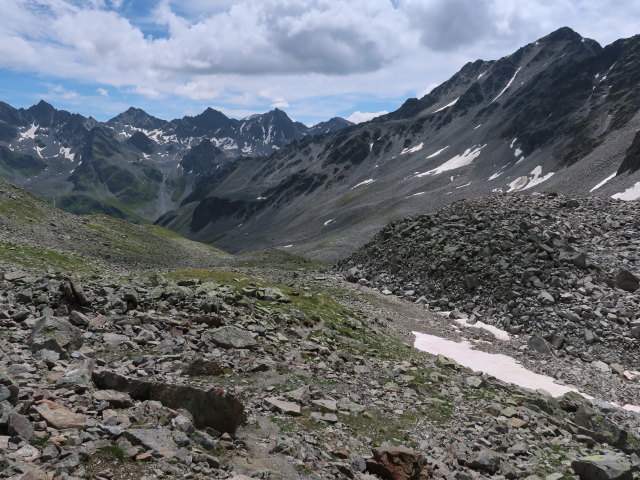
(448, 291)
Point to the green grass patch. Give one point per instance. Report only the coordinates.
(21, 211)
(279, 259)
(113, 451)
(33, 257)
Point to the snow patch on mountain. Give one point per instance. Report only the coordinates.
(30, 132)
(361, 184)
(631, 193)
(529, 181)
(464, 159)
(435, 154)
(415, 149)
(66, 152)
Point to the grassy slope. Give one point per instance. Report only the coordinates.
(37, 235)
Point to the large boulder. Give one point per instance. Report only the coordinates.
(627, 281)
(215, 408)
(398, 463)
(603, 467)
(232, 337)
(57, 334)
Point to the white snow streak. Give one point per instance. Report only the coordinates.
(366, 182)
(328, 222)
(469, 155)
(475, 128)
(415, 149)
(435, 154)
(603, 181)
(631, 193)
(448, 105)
(518, 152)
(508, 85)
(494, 176)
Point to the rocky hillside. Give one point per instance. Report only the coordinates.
(131, 166)
(264, 369)
(559, 115)
(562, 269)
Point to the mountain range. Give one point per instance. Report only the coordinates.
(134, 166)
(558, 115)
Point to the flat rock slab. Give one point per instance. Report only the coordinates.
(114, 398)
(60, 417)
(283, 406)
(158, 440)
(328, 404)
(603, 467)
(232, 337)
(114, 339)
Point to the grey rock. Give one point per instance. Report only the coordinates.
(21, 426)
(603, 467)
(539, 345)
(214, 408)
(232, 337)
(57, 334)
(627, 281)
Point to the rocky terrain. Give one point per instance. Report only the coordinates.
(266, 366)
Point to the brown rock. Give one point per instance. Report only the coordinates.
(60, 417)
(398, 463)
(37, 474)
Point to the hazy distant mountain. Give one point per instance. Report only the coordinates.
(135, 165)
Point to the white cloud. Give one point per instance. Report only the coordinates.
(58, 91)
(103, 92)
(304, 50)
(359, 117)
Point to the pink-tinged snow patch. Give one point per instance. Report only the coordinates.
(497, 365)
(502, 367)
(495, 331)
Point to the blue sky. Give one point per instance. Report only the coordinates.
(312, 58)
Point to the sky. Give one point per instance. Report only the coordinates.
(315, 59)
